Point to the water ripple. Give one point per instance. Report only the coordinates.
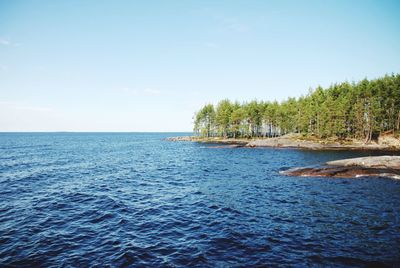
(119, 200)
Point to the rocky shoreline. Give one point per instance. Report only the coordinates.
(372, 166)
(296, 141)
(375, 166)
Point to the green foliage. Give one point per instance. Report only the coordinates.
(205, 121)
(223, 117)
(345, 110)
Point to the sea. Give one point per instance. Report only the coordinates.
(137, 200)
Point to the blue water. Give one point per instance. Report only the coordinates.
(123, 199)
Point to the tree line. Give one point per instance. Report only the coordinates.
(361, 110)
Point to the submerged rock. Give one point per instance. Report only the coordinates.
(373, 166)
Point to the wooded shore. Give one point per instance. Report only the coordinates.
(345, 111)
(384, 143)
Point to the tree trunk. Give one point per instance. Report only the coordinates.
(398, 121)
(369, 133)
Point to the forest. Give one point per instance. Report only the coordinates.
(357, 110)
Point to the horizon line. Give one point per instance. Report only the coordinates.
(94, 131)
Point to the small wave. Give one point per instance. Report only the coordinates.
(93, 200)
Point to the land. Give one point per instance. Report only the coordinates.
(376, 166)
(384, 142)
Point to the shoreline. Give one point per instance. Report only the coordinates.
(294, 141)
(372, 166)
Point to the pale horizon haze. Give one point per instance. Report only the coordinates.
(150, 65)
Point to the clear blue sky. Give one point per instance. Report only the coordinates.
(149, 65)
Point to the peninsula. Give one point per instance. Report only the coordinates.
(358, 115)
(386, 142)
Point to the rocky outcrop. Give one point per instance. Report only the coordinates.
(217, 140)
(385, 161)
(297, 141)
(375, 166)
(285, 142)
(182, 138)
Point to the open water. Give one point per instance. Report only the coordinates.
(134, 199)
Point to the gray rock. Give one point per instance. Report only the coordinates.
(372, 166)
(385, 161)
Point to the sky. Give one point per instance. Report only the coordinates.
(150, 65)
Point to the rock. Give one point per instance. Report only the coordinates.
(285, 142)
(389, 140)
(385, 161)
(375, 166)
(217, 140)
(183, 138)
(343, 172)
(225, 146)
(295, 141)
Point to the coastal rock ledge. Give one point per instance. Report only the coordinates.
(372, 166)
(387, 143)
(181, 138)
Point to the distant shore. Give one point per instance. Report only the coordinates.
(385, 143)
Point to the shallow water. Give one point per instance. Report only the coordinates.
(123, 199)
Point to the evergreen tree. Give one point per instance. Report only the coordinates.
(347, 110)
